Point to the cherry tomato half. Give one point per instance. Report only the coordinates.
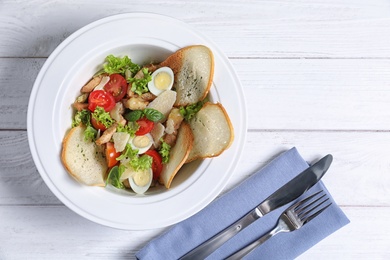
(156, 163)
(102, 99)
(117, 86)
(98, 125)
(145, 126)
(111, 155)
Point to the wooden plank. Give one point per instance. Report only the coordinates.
(324, 29)
(17, 77)
(280, 94)
(316, 94)
(60, 234)
(20, 182)
(366, 237)
(359, 175)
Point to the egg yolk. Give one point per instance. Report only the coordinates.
(162, 80)
(141, 178)
(141, 141)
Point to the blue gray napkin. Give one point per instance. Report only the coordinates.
(228, 208)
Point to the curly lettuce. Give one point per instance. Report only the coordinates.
(140, 163)
(131, 128)
(136, 162)
(190, 111)
(84, 117)
(120, 65)
(101, 116)
(164, 151)
(139, 85)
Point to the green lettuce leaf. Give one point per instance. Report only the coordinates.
(129, 153)
(140, 163)
(139, 86)
(102, 116)
(136, 162)
(82, 116)
(164, 151)
(90, 133)
(190, 111)
(131, 128)
(120, 65)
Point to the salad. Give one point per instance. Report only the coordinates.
(128, 111)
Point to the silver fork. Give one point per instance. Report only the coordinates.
(293, 218)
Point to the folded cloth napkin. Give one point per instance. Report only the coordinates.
(228, 208)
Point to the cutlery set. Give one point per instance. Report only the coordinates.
(293, 218)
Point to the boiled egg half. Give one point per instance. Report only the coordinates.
(162, 79)
(142, 143)
(140, 180)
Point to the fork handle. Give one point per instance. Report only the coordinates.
(253, 245)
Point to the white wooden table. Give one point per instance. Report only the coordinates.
(316, 75)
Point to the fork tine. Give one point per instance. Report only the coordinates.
(298, 204)
(293, 218)
(308, 218)
(309, 208)
(313, 209)
(305, 208)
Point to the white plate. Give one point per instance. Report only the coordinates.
(144, 38)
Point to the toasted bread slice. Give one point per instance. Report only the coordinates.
(193, 67)
(82, 159)
(213, 132)
(178, 154)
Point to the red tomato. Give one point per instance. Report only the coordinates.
(145, 126)
(98, 125)
(117, 86)
(156, 163)
(102, 99)
(111, 155)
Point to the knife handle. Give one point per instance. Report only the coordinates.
(209, 246)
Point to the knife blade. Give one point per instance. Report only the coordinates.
(287, 193)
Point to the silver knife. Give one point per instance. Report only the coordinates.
(289, 192)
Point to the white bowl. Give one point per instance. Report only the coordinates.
(144, 38)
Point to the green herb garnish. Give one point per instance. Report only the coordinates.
(114, 177)
(134, 115)
(153, 114)
(150, 113)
